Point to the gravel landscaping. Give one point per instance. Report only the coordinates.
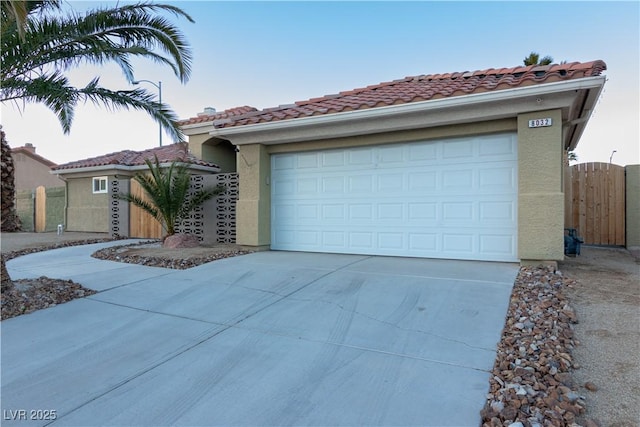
(152, 254)
(532, 382)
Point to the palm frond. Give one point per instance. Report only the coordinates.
(142, 204)
(199, 198)
(36, 48)
(168, 190)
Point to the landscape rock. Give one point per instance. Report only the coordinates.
(181, 240)
(531, 376)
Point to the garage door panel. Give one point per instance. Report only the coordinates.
(360, 211)
(360, 240)
(458, 243)
(457, 179)
(456, 149)
(283, 187)
(390, 183)
(497, 244)
(307, 161)
(333, 185)
(333, 159)
(501, 211)
(497, 177)
(392, 154)
(423, 242)
(498, 147)
(423, 212)
(360, 156)
(283, 163)
(359, 184)
(423, 181)
(423, 152)
(404, 199)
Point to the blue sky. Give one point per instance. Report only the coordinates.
(265, 54)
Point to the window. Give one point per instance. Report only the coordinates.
(100, 184)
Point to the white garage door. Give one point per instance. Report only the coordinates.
(454, 198)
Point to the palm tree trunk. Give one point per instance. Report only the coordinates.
(10, 219)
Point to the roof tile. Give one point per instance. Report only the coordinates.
(228, 115)
(414, 89)
(168, 153)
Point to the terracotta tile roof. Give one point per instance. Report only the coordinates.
(415, 89)
(168, 153)
(225, 116)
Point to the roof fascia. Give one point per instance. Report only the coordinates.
(473, 107)
(134, 168)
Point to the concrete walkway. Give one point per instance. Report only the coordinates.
(270, 338)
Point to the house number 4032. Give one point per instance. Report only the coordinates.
(540, 123)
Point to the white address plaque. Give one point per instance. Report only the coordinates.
(540, 123)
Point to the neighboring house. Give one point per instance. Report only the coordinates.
(33, 170)
(459, 165)
(90, 182)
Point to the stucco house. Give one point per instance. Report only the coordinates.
(465, 165)
(32, 170)
(91, 182)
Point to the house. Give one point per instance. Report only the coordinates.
(464, 165)
(32, 170)
(92, 183)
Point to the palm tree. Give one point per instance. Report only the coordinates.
(34, 60)
(168, 191)
(39, 43)
(534, 59)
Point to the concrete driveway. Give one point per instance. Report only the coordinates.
(270, 338)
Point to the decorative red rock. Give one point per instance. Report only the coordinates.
(180, 240)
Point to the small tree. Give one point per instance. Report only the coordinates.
(168, 191)
(534, 59)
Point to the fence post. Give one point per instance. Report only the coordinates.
(41, 209)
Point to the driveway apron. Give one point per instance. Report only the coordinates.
(270, 338)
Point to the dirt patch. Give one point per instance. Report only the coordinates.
(606, 298)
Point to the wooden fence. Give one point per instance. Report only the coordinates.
(41, 209)
(141, 224)
(596, 203)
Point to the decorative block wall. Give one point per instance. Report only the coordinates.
(213, 222)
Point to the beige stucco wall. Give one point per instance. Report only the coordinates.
(86, 211)
(30, 173)
(253, 208)
(633, 206)
(540, 189)
(214, 150)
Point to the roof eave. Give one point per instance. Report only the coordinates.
(134, 168)
(444, 111)
(576, 125)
